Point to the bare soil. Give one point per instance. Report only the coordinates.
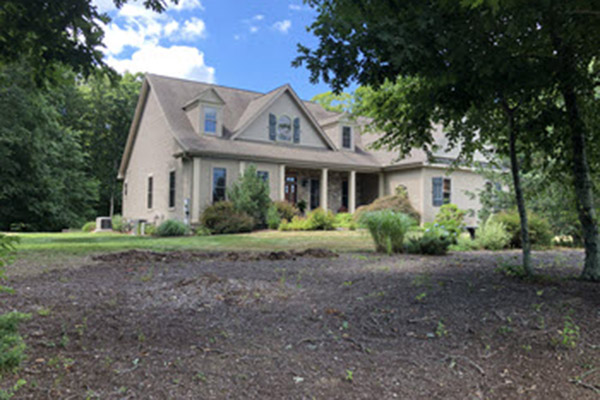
(144, 325)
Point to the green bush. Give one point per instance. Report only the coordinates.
(387, 228)
(434, 240)
(345, 221)
(320, 220)
(119, 224)
(150, 229)
(250, 195)
(89, 226)
(12, 346)
(286, 210)
(171, 227)
(492, 235)
(540, 233)
(465, 243)
(398, 203)
(222, 217)
(273, 217)
(296, 224)
(451, 218)
(201, 231)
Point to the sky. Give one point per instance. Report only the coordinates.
(246, 44)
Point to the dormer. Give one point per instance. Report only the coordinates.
(342, 130)
(205, 113)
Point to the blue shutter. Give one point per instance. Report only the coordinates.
(272, 127)
(296, 130)
(438, 195)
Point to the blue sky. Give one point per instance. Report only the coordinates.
(248, 44)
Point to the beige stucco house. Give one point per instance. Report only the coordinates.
(190, 140)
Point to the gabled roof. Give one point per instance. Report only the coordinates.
(239, 109)
(261, 104)
(210, 95)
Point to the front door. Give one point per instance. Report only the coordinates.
(291, 189)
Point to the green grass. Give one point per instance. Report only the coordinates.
(56, 249)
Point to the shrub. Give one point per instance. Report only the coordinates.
(201, 231)
(12, 346)
(296, 224)
(150, 229)
(387, 228)
(398, 203)
(120, 225)
(89, 226)
(222, 217)
(434, 240)
(465, 243)
(320, 220)
(451, 218)
(250, 195)
(539, 228)
(171, 227)
(492, 235)
(7, 247)
(273, 217)
(286, 210)
(345, 221)
(302, 206)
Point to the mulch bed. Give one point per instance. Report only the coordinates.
(296, 325)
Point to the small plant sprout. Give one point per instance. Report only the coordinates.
(349, 375)
(421, 296)
(441, 330)
(569, 334)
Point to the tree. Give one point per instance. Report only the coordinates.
(42, 165)
(250, 194)
(48, 33)
(102, 110)
(526, 66)
(334, 102)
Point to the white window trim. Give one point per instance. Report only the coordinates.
(342, 137)
(291, 129)
(169, 189)
(203, 119)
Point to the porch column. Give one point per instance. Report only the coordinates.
(282, 182)
(242, 167)
(381, 184)
(352, 192)
(195, 199)
(324, 189)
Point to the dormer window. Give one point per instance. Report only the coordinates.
(210, 120)
(284, 128)
(347, 137)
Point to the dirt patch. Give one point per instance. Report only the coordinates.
(299, 325)
(190, 256)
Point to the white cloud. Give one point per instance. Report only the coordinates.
(299, 7)
(283, 26)
(176, 61)
(171, 28)
(104, 6)
(188, 5)
(253, 29)
(193, 28)
(258, 17)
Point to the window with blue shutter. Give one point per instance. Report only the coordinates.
(438, 194)
(296, 130)
(272, 127)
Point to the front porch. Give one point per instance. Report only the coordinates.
(335, 190)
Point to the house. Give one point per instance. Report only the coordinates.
(190, 140)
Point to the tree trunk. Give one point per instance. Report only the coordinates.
(514, 167)
(583, 187)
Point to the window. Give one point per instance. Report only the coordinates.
(345, 194)
(347, 137)
(219, 184)
(210, 120)
(171, 189)
(315, 193)
(264, 175)
(150, 185)
(284, 128)
(442, 189)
